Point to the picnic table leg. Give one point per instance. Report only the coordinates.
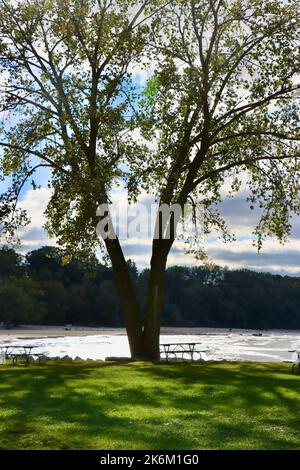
(192, 353)
(167, 354)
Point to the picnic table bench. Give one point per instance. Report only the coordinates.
(191, 351)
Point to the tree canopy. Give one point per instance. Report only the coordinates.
(222, 101)
(64, 67)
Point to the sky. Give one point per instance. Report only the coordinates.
(274, 257)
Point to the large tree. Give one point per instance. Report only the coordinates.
(221, 105)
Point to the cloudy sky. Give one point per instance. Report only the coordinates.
(275, 258)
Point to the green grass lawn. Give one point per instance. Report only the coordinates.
(88, 405)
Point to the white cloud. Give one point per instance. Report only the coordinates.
(35, 202)
(141, 74)
(274, 257)
(34, 236)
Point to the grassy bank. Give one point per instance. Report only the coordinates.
(143, 406)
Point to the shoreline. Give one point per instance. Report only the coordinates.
(217, 344)
(55, 332)
(41, 332)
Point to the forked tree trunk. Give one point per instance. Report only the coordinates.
(143, 342)
(155, 299)
(154, 310)
(127, 295)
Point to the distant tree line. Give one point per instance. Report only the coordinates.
(44, 288)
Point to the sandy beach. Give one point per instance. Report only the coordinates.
(55, 332)
(36, 332)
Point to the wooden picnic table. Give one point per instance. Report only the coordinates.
(297, 361)
(173, 350)
(18, 351)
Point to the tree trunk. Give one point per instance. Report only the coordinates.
(154, 303)
(144, 343)
(127, 295)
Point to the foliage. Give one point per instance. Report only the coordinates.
(45, 290)
(20, 301)
(64, 66)
(10, 262)
(222, 103)
(225, 108)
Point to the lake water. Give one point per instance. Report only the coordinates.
(236, 345)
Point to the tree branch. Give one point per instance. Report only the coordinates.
(36, 154)
(251, 106)
(256, 133)
(231, 165)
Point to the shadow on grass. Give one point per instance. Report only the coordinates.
(146, 406)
